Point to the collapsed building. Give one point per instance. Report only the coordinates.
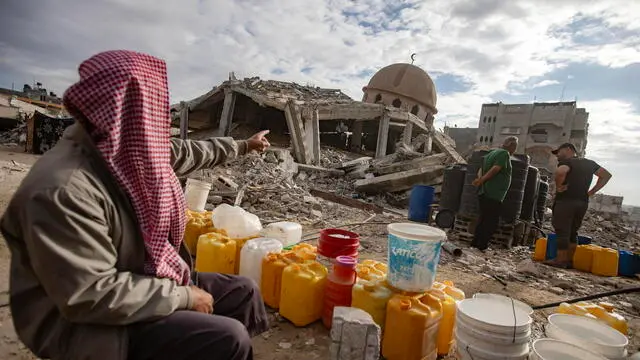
(392, 127)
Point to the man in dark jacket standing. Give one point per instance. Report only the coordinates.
(493, 180)
(573, 179)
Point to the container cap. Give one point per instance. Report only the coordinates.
(340, 234)
(417, 231)
(347, 261)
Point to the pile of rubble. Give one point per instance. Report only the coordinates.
(394, 175)
(275, 188)
(609, 233)
(16, 136)
(290, 90)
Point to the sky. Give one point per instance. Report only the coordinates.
(476, 51)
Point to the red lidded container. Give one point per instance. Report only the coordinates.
(339, 285)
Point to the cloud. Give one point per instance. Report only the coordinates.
(477, 51)
(544, 83)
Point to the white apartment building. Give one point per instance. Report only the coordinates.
(540, 127)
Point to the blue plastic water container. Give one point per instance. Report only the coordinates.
(629, 263)
(585, 240)
(420, 203)
(552, 245)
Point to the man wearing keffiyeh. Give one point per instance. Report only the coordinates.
(95, 231)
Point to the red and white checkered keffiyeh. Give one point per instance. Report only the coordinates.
(123, 97)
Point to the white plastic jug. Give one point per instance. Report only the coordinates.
(289, 233)
(237, 222)
(252, 254)
(196, 193)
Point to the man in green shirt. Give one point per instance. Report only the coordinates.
(494, 179)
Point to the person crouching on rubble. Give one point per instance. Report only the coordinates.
(96, 227)
(494, 179)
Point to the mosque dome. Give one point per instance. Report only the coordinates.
(405, 80)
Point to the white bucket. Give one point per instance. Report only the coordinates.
(496, 338)
(413, 253)
(507, 299)
(470, 351)
(590, 334)
(494, 316)
(551, 349)
(491, 328)
(196, 193)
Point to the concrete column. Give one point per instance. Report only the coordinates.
(428, 144)
(184, 120)
(297, 133)
(312, 129)
(356, 136)
(408, 130)
(227, 113)
(383, 136)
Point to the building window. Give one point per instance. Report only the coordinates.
(494, 119)
(510, 130)
(481, 139)
(414, 110)
(491, 140)
(396, 103)
(378, 98)
(539, 135)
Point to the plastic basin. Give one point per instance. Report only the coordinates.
(591, 334)
(528, 309)
(551, 349)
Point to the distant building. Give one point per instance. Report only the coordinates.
(631, 216)
(16, 105)
(607, 205)
(540, 127)
(465, 138)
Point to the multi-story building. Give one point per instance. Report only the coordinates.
(540, 127)
(606, 204)
(465, 138)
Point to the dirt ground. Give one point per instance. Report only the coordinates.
(283, 341)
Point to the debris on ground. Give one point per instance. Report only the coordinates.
(15, 136)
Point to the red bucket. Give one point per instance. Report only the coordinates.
(336, 242)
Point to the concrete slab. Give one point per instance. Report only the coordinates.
(422, 162)
(401, 180)
(319, 169)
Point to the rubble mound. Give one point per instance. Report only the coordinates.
(15, 136)
(269, 188)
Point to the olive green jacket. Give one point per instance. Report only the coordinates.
(76, 251)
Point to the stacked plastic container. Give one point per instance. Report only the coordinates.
(337, 242)
(411, 327)
(301, 299)
(252, 255)
(605, 262)
(338, 291)
(490, 328)
(273, 266)
(602, 311)
(370, 292)
(592, 336)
